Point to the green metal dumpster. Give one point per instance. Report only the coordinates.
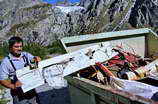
(84, 91)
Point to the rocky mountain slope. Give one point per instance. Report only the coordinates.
(43, 23)
(115, 15)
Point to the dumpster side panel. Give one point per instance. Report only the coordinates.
(95, 93)
(79, 96)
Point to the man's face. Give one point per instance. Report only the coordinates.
(16, 49)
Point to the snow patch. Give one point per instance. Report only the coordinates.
(70, 8)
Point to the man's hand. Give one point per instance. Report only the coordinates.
(34, 62)
(8, 84)
(18, 84)
(37, 58)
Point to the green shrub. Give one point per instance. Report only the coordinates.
(56, 47)
(3, 101)
(4, 50)
(1, 87)
(36, 50)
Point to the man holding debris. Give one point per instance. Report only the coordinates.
(16, 60)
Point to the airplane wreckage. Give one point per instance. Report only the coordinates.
(108, 68)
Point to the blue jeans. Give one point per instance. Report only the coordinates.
(25, 101)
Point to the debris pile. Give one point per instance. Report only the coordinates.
(124, 65)
(124, 71)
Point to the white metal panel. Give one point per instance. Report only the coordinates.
(104, 35)
(136, 44)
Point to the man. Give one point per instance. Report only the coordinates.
(17, 60)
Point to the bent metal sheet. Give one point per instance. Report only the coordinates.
(57, 67)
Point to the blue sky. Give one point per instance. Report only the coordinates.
(54, 1)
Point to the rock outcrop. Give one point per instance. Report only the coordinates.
(8, 14)
(43, 23)
(115, 15)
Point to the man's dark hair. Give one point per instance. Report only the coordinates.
(14, 40)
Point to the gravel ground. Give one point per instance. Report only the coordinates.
(48, 95)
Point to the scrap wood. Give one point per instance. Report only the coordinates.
(105, 69)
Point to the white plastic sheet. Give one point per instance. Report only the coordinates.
(136, 88)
